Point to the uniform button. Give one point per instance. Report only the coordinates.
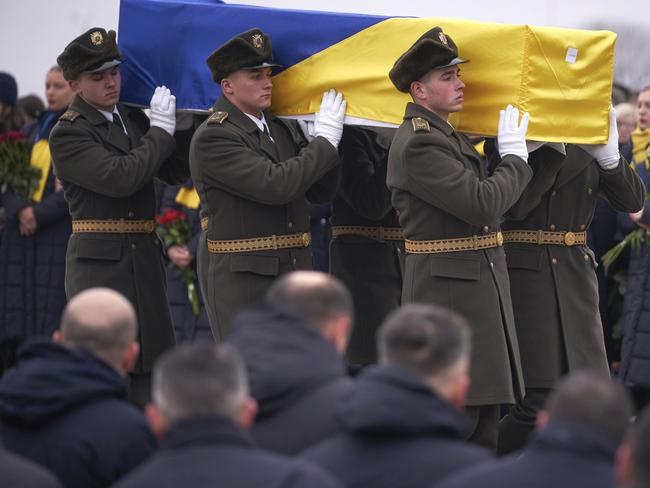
(486, 228)
(133, 246)
(323, 221)
(131, 214)
(491, 264)
(290, 225)
(399, 250)
(582, 226)
(554, 260)
(552, 226)
(294, 261)
(586, 257)
(553, 193)
(589, 191)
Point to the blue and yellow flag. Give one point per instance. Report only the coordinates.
(563, 77)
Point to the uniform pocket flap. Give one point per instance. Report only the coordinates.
(524, 258)
(459, 268)
(261, 265)
(110, 250)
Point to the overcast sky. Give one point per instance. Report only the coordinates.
(34, 32)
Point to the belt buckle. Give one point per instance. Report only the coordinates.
(306, 239)
(499, 237)
(121, 226)
(569, 238)
(149, 226)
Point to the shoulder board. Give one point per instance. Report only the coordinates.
(217, 118)
(70, 116)
(420, 124)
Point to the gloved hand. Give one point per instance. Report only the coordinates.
(328, 121)
(512, 135)
(163, 110)
(607, 155)
(307, 127)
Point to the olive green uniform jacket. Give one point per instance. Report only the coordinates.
(109, 175)
(252, 187)
(554, 288)
(441, 190)
(370, 268)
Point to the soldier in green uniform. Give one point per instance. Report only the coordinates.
(449, 210)
(254, 179)
(106, 155)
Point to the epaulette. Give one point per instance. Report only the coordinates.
(217, 118)
(420, 124)
(69, 116)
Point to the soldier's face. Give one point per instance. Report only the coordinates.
(249, 89)
(441, 91)
(101, 90)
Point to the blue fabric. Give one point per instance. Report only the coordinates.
(167, 42)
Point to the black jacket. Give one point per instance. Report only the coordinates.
(295, 375)
(65, 409)
(562, 455)
(17, 472)
(398, 433)
(212, 452)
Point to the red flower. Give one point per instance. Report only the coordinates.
(171, 216)
(12, 136)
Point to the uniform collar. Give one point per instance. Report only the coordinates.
(414, 110)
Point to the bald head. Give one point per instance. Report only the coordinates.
(101, 321)
(317, 297)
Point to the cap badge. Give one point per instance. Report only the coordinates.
(257, 40)
(96, 38)
(443, 38)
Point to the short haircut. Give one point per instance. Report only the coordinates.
(426, 339)
(199, 380)
(317, 297)
(101, 321)
(590, 398)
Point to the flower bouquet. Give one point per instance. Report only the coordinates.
(15, 169)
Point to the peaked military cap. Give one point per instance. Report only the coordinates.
(248, 50)
(93, 51)
(433, 50)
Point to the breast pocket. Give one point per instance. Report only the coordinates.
(261, 265)
(455, 267)
(99, 249)
(520, 258)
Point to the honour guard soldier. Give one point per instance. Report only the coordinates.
(449, 210)
(106, 155)
(367, 248)
(552, 271)
(254, 179)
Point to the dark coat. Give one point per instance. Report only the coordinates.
(211, 452)
(295, 375)
(65, 409)
(554, 288)
(370, 268)
(18, 472)
(248, 190)
(32, 268)
(107, 175)
(560, 456)
(187, 326)
(441, 190)
(398, 434)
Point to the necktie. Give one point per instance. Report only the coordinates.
(266, 131)
(118, 122)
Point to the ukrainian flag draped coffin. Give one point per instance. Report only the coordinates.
(563, 77)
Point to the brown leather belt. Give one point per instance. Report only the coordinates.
(473, 243)
(121, 226)
(377, 233)
(542, 237)
(260, 243)
(204, 223)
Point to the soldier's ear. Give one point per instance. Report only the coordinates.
(226, 86)
(156, 420)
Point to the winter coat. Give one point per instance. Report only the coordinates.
(397, 434)
(18, 472)
(65, 409)
(296, 376)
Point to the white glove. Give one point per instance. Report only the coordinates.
(307, 127)
(607, 155)
(163, 110)
(512, 135)
(328, 121)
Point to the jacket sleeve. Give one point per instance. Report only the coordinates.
(51, 209)
(545, 163)
(228, 163)
(436, 176)
(12, 204)
(622, 187)
(324, 190)
(79, 157)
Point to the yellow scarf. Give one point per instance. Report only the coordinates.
(188, 197)
(41, 159)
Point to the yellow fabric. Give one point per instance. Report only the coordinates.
(518, 64)
(42, 159)
(480, 148)
(188, 197)
(640, 141)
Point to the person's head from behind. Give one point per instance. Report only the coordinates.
(320, 299)
(57, 90)
(102, 322)
(199, 381)
(8, 99)
(29, 108)
(432, 342)
(90, 64)
(587, 398)
(643, 108)
(625, 121)
(243, 68)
